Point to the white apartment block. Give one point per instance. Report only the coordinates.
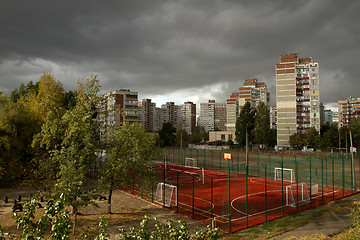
(212, 116)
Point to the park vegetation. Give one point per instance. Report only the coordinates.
(52, 140)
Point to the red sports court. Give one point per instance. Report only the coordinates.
(234, 201)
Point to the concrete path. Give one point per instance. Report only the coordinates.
(327, 226)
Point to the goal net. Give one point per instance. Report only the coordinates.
(286, 174)
(191, 162)
(165, 194)
(297, 193)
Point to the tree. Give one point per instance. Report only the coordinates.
(129, 158)
(344, 137)
(329, 137)
(79, 144)
(355, 130)
(245, 125)
(312, 138)
(298, 140)
(17, 128)
(182, 137)
(166, 134)
(262, 124)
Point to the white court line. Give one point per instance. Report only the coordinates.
(269, 210)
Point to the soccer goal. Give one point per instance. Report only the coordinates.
(286, 174)
(297, 193)
(191, 162)
(166, 194)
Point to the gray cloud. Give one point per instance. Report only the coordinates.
(176, 49)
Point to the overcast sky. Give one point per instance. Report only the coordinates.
(183, 50)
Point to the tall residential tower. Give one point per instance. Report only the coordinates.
(297, 96)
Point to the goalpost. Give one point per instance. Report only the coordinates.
(166, 194)
(288, 173)
(191, 162)
(297, 193)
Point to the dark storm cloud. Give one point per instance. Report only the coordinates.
(182, 49)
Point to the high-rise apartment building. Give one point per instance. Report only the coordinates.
(348, 109)
(170, 113)
(232, 113)
(297, 96)
(328, 116)
(187, 117)
(212, 116)
(119, 106)
(147, 114)
(273, 117)
(252, 91)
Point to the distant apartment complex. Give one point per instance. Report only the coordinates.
(348, 109)
(252, 91)
(212, 116)
(119, 106)
(328, 116)
(297, 96)
(147, 114)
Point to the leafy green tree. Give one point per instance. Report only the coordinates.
(80, 142)
(24, 91)
(168, 231)
(355, 131)
(313, 138)
(167, 135)
(344, 137)
(298, 140)
(17, 128)
(129, 158)
(262, 124)
(272, 137)
(245, 125)
(182, 138)
(330, 137)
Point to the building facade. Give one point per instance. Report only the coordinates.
(348, 109)
(147, 117)
(187, 117)
(118, 107)
(232, 113)
(253, 92)
(212, 116)
(297, 96)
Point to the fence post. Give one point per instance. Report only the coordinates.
(229, 207)
(177, 191)
(193, 196)
(258, 165)
(211, 198)
(282, 183)
(297, 184)
(322, 180)
(204, 158)
(264, 166)
(333, 177)
(220, 160)
(310, 159)
(343, 174)
(245, 167)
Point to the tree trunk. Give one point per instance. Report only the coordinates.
(109, 200)
(75, 217)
